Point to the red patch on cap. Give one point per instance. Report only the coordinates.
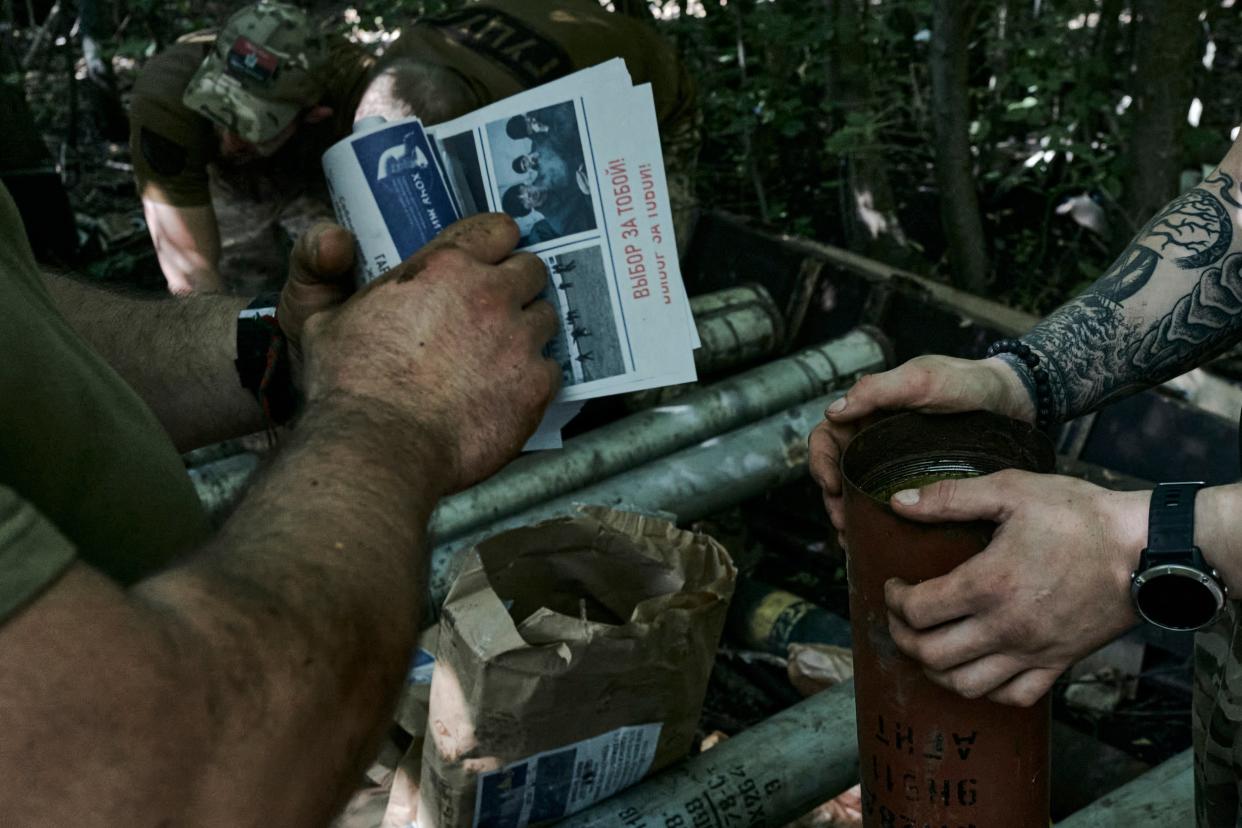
(247, 59)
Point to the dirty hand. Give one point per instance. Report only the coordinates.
(1051, 586)
(928, 384)
(447, 347)
(321, 276)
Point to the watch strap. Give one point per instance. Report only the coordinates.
(1171, 524)
(262, 359)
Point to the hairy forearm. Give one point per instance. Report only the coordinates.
(1218, 529)
(187, 243)
(302, 615)
(186, 275)
(1170, 302)
(177, 353)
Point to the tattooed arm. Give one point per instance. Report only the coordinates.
(1171, 301)
(1053, 583)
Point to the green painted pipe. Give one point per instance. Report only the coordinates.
(768, 775)
(1162, 797)
(645, 436)
(220, 483)
(738, 326)
(735, 325)
(706, 478)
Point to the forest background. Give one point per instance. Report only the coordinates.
(1010, 147)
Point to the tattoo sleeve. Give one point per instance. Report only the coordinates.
(1171, 301)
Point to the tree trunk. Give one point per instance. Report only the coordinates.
(748, 144)
(959, 202)
(1005, 33)
(634, 8)
(1109, 28)
(868, 209)
(1164, 56)
(1100, 69)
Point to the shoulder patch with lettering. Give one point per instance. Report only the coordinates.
(165, 156)
(532, 58)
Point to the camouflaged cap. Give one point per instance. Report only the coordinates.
(265, 68)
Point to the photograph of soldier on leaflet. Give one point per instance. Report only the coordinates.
(227, 127)
(551, 198)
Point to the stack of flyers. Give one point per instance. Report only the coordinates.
(577, 163)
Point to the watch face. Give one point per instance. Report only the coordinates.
(1177, 597)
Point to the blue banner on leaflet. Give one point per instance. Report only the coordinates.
(404, 174)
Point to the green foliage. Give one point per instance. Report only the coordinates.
(798, 94)
(137, 48)
(1045, 90)
(391, 15)
(763, 116)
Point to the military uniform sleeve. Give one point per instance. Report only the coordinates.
(170, 144)
(33, 553)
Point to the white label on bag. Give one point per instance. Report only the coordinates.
(557, 783)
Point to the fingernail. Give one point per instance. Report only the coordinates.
(838, 406)
(907, 497)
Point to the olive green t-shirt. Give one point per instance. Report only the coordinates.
(32, 553)
(22, 151)
(77, 446)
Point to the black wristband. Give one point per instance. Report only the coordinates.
(1171, 519)
(263, 359)
(1043, 385)
(1173, 586)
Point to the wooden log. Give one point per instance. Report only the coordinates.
(738, 235)
(985, 312)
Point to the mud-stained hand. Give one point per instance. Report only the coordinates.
(321, 276)
(450, 344)
(928, 384)
(1051, 586)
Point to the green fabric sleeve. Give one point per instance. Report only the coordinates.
(33, 553)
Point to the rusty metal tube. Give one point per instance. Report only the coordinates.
(642, 437)
(698, 481)
(768, 775)
(929, 756)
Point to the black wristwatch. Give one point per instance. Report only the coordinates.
(263, 359)
(1173, 586)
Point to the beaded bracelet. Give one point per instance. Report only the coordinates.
(1043, 385)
